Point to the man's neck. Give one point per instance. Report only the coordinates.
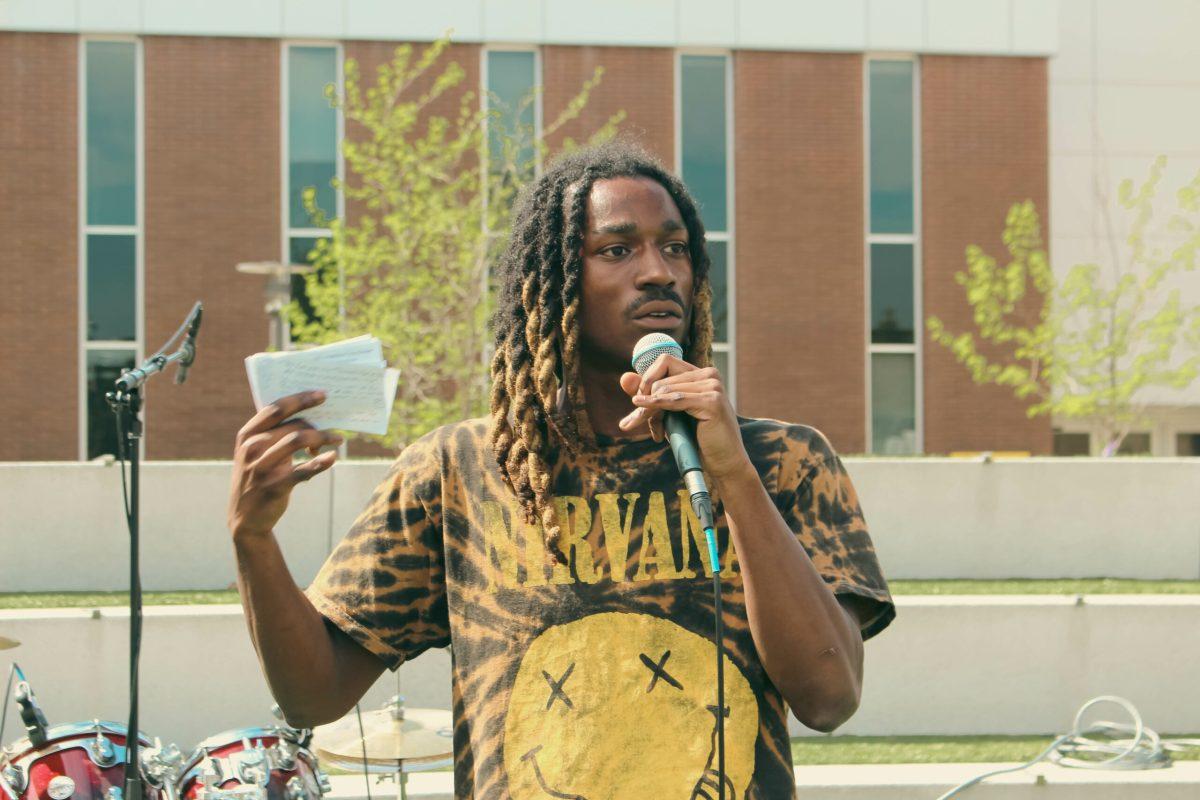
(607, 402)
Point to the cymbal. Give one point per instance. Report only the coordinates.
(8, 644)
(425, 734)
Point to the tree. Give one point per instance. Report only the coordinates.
(1099, 342)
(431, 197)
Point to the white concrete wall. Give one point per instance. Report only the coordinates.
(63, 527)
(948, 665)
(999, 27)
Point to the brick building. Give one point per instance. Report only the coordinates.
(845, 154)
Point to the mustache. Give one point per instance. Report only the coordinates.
(657, 294)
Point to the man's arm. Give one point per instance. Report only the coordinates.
(315, 672)
(809, 645)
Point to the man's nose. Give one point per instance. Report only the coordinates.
(654, 269)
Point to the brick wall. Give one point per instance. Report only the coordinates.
(39, 321)
(799, 170)
(984, 146)
(637, 80)
(212, 200)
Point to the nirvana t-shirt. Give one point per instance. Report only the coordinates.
(594, 679)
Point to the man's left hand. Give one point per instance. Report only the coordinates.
(672, 384)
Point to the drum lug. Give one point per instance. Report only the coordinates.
(295, 788)
(252, 767)
(323, 782)
(113, 793)
(101, 751)
(15, 777)
(285, 755)
(161, 765)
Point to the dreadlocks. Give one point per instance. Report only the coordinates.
(536, 320)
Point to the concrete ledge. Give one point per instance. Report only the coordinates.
(902, 782)
(948, 665)
(1033, 518)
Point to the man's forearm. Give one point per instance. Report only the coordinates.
(808, 644)
(312, 675)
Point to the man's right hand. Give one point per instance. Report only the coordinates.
(263, 469)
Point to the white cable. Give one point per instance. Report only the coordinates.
(1142, 748)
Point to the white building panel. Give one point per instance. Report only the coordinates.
(513, 21)
(820, 25)
(109, 16)
(1071, 119)
(625, 22)
(213, 17)
(39, 15)
(387, 19)
(1073, 197)
(312, 19)
(708, 23)
(1034, 26)
(1150, 42)
(896, 25)
(958, 27)
(1072, 60)
(1150, 119)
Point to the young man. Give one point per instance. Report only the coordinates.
(553, 545)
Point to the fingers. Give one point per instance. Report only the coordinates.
(314, 466)
(290, 444)
(698, 404)
(665, 365)
(273, 414)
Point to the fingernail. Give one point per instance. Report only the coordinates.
(318, 395)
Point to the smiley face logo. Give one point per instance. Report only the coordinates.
(621, 705)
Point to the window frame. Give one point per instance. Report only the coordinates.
(916, 349)
(729, 235)
(84, 345)
(287, 232)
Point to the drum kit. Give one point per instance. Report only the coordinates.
(87, 760)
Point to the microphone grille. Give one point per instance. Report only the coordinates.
(650, 347)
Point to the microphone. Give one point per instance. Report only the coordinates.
(682, 439)
(189, 344)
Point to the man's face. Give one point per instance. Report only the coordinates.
(637, 269)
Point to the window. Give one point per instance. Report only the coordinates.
(703, 137)
(1068, 443)
(1135, 444)
(511, 77)
(893, 260)
(1187, 444)
(311, 152)
(110, 242)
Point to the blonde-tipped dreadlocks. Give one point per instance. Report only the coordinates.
(536, 321)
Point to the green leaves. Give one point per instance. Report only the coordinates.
(1101, 337)
(409, 263)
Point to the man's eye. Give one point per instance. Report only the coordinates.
(677, 248)
(617, 250)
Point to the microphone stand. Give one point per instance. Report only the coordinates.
(126, 402)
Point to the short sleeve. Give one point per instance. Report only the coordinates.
(384, 585)
(818, 502)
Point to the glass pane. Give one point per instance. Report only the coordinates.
(1071, 444)
(301, 252)
(312, 130)
(111, 288)
(892, 293)
(891, 126)
(1187, 444)
(103, 368)
(893, 404)
(510, 97)
(1135, 444)
(702, 135)
(718, 276)
(721, 362)
(111, 133)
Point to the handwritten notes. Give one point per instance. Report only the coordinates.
(359, 388)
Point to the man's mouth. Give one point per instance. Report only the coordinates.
(660, 310)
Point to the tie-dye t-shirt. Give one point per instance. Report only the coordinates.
(594, 679)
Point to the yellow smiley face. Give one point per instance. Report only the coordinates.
(621, 705)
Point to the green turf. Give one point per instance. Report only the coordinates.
(818, 750)
(1015, 586)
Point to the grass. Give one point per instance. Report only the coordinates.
(1065, 586)
(1037, 586)
(819, 750)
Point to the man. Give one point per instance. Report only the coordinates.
(553, 545)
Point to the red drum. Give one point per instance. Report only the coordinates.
(79, 760)
(254, 764)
